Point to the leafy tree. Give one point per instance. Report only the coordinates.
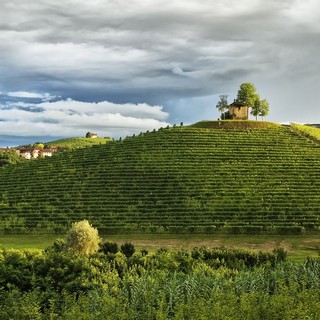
(264, 108)
(222, 104)
(247, 94)
(82, 238)
(39, 145)
(255, 110)
(260, 108)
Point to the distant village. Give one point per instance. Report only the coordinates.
(32, 152)
(39, 150)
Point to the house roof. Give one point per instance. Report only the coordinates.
(236, 103)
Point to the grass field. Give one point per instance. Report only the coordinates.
(298, 247)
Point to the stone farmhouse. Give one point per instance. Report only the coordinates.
(36, 152)
(238, 111)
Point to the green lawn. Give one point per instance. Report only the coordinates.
(297, 246)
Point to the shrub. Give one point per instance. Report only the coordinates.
(83, 238)
(127, 249)
(109, 247)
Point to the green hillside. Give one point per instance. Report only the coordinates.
(179, 179)
(75, 143)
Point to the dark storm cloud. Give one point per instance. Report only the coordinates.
(179, 54)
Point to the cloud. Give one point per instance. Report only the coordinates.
(30, 95)
(75, 118)
(180, 55)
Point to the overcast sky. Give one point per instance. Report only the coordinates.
(117, 67)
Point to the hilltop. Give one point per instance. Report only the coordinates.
(235, 125)
(75, 143)
(177, 179)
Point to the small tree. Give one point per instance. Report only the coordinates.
(222, 105)
(255, 110)
(82, 238)
(264, 108)
(260, 108)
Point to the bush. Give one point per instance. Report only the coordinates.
(83, 238)
(128, 249)
(109, 247)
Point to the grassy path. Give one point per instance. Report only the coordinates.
(298, 247)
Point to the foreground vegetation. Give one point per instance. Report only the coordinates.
(298, 247)
(122, 284)
(250, 180)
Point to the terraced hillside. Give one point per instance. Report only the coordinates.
(180, 179)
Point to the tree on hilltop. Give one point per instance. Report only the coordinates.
(260, 108)
(222, 104)
(247, 96)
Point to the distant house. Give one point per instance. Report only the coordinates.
(46, 153)
(238, 111)
(91, 135)
(35, 152)
(29, 153)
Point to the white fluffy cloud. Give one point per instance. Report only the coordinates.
(75, 118)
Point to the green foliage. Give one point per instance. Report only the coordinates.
(309, 131)
(127, 249)
(77, 143)
(260, 108)
(222, 104)
(247, 94)
(9, 157)
(109, 247)
(246, 177)
(82, 238)
(162, 285)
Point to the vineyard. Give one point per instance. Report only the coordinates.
(75, 143)
(195, 179)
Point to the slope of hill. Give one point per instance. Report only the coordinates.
(180, 179)
(75, 143)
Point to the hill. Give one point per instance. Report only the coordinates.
(179, 179)
(75, 143)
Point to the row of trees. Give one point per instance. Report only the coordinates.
(247, 96)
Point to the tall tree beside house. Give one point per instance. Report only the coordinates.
(247, 94)
(222, 104)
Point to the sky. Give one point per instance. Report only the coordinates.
(118, 67)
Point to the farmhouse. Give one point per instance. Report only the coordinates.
(91, 135)
(35, 152)
(29, 153)
(238, 111)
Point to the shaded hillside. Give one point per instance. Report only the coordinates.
(180, 179)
